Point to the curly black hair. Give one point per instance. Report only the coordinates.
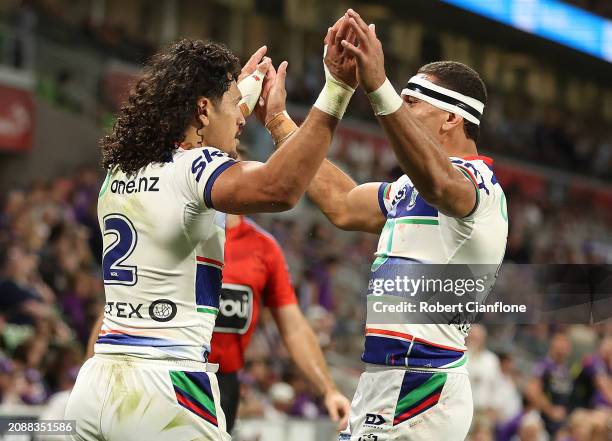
(163, 102)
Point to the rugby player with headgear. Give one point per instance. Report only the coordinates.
(171, 177)
(448, 208)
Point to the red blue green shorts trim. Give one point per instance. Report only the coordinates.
(194, 393)
(419, 392)
(394, 404)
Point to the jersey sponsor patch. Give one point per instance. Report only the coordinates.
(235, 309)
(411, 203)
(199, 164)
(129, 186)
(161, 310)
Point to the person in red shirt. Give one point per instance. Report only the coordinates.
(255, 274)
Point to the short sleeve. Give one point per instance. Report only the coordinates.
(198, 169)
(278, 290)
(482, 179)
(388, 192)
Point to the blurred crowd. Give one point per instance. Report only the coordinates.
(547, 136)
(50, 20)
(541, 384)
(50, 290)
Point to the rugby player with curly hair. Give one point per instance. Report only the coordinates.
(171, 177)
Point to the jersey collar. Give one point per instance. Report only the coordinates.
(485, 159)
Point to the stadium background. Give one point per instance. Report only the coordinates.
(65, 66)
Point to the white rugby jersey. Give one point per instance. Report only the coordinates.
(416, 232)
(163, 255)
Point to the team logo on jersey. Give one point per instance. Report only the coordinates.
(368, 437)
(235, 309)
(413, 198)
(373, 419)
(398, 197)
(162, 310)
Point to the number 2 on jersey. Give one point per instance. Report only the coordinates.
(126, 237)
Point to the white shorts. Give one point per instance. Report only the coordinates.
(410, 405)
(120, 398)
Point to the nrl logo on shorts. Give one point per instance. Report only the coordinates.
(368, 437)
(373, 419)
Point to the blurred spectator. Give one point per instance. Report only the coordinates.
(9, 386)
(586, 426)
(22, 296)
(29, 361)
(550, 389)
(484, 371)
(281, 397)
(508, 398)
(56, 406)
(531, 429)
(593, 386)
(482, 429)
(303, 405)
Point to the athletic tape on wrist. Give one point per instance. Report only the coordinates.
(385, 99)
(250, 88)
(335, 96)
(281, 127)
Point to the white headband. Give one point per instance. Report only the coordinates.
(441, 97)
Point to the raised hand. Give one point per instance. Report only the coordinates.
(340, 63)
(340, 72)
(251, 65)
(251, 86)
(273, 96)
(368, 53)
(260, 108)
